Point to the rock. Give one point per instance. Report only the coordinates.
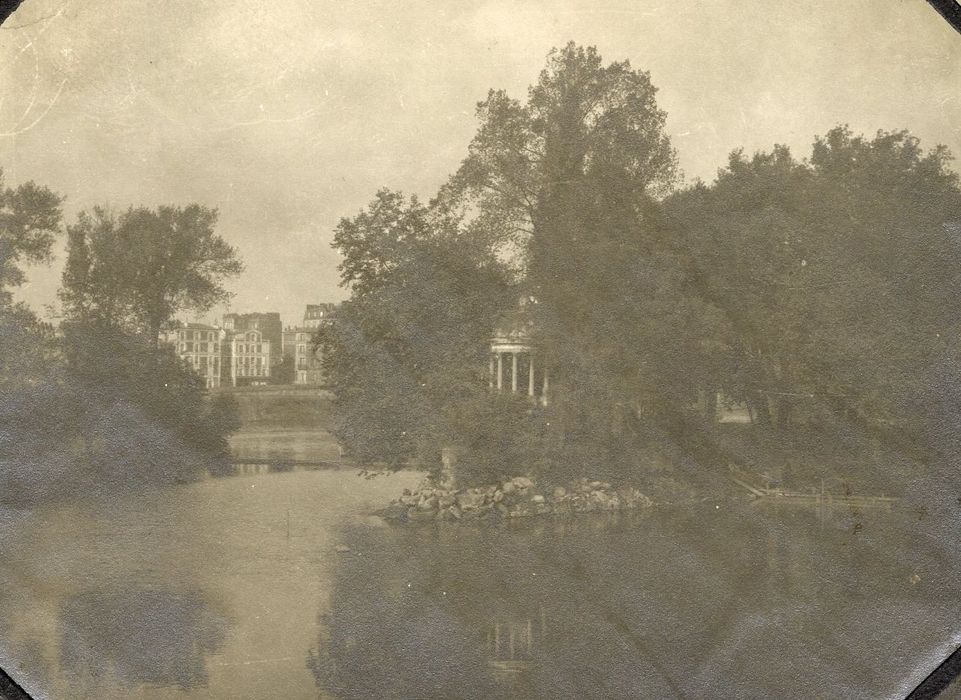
(420, 515)
(395, 511)
(584, 505)
(514, 498)
(470, 499)
(342, 549)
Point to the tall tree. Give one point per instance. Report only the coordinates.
(411, 343)
(571, 178)
(841, 276)
(30, 217)
(138, 269)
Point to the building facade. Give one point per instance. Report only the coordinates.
(201, 347)
(514, 363)
(306, 360)
(315, 315)
(248, 357)
(268, 324)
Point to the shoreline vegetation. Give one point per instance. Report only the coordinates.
(99, 404)
(817, 295)
(814, 294)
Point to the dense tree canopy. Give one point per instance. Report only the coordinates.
(820, 293)
(410, 345)
(30, 217)
(138, 269)
(841, 275)
(571, 178)
(98, 404)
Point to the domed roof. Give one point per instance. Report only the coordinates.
(515, 327)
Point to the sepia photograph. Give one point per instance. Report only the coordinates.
(449, 350)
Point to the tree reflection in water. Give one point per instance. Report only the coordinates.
(141, 636)
(679, 603)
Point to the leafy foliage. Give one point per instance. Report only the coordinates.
(30, 217)
(821, 293)
(840, 276)
(138, 269)
(410, 345)
(99, 405)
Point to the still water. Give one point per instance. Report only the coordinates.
(240, 587)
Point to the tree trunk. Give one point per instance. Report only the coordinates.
(785, 406)
(761, 409)
(710, 405)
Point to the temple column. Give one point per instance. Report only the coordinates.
(500, 371)
(490, 373)
(514, 372)
(530, 375)
(547, 386)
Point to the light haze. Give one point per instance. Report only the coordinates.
(289, 115)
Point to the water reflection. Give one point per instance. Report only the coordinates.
(676, 603)
(140, 636)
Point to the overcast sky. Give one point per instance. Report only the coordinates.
(289, 114)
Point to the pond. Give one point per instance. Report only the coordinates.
(278, 585)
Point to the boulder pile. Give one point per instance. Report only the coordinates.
(515, 498)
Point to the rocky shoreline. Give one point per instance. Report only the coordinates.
(515, 498)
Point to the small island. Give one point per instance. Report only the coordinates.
(514, 498)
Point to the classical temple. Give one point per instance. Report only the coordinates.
(514, 362)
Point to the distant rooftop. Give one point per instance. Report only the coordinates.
(515, 325)
(198, 326)
(319, 311)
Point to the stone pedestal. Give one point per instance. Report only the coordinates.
(448, 459)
